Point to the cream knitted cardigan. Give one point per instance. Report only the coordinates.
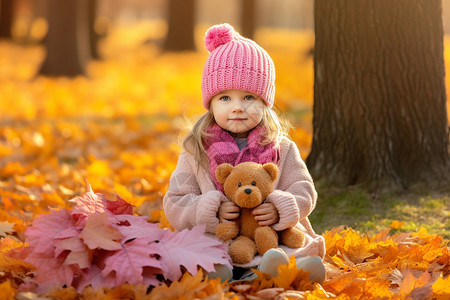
(192, 199)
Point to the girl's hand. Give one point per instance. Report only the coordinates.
(266, 214)
(228, 211)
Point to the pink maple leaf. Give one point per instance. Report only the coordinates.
(51, 270)
(119, 206)
(90, 203)
(45, 228)
(133, 227)
(129, 262)
(190, 249)
(94, 277)
(79, 254)
(98, 233)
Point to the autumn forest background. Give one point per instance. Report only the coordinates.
(100, 91)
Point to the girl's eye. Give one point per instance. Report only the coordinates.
(239, 184)
(249, 97)
(224, 98)
(253, 183)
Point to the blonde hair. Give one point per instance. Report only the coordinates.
(276, 127)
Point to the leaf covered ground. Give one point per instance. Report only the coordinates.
(117, 128)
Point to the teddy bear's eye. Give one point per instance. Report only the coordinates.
(253, 183)
(239, 184)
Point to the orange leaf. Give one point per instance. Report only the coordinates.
(441, 288)
(397, 225)
(289, 276)
(7, 292)
(410, 282)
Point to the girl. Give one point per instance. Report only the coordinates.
(238, 87)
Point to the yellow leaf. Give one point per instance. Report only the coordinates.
(68, 293)
(188, 287)
(7, 292)
(441, 288)
(99, 168)
(397, 225)
(289, 276)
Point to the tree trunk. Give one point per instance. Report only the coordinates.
(6, 18)
(180, 36)
(93, 36)
(248, 18)
(67, 40)
(380, 115)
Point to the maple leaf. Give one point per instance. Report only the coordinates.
(183, 249)
(133, 227)
(119, 206)
(67, 293)
(289, 276)
(441, 288)
(6, 290)
(410, 283)
(94, 277)
(263, 281)
(98, 233)
(79, 254)
(397, 224)
(190, 287)
(6, 227)
(52, 273)
(128, 263)
(90, 203)
(377, 288)
(12, 267)
(58, 224)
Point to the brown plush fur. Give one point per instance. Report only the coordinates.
(248, 185)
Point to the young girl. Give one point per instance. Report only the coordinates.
(238, 87)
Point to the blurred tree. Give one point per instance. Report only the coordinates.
(67, 40)
(181, 21)
(248, 21)
(93, 36)
(6, 18)
(379, 94)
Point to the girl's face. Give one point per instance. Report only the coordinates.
(237, 111)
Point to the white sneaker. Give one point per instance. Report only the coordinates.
(313, 265)
(222, 271)
(271, 260)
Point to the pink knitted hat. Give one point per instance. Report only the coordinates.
(236, 62)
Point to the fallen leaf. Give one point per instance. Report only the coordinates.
(178, 249)
(98, 233)
(5, 228)
(128, 263)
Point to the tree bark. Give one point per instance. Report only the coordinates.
(181, 20)
(93, 36)
(248, 19)
(67, 40)
(380, 115)
(6, 18)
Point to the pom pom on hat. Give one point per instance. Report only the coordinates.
(218, 35)
(236, 62)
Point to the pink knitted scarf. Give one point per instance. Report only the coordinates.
(221, 148)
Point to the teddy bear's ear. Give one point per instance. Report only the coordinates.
(272, 169)
(222, 172)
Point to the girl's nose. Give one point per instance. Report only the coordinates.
(238, 108)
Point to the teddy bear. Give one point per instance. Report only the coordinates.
(248, 184)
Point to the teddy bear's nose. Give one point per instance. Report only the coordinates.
(248, 191)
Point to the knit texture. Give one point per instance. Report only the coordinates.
(192, 199)
(221, 148)
(238, 63)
